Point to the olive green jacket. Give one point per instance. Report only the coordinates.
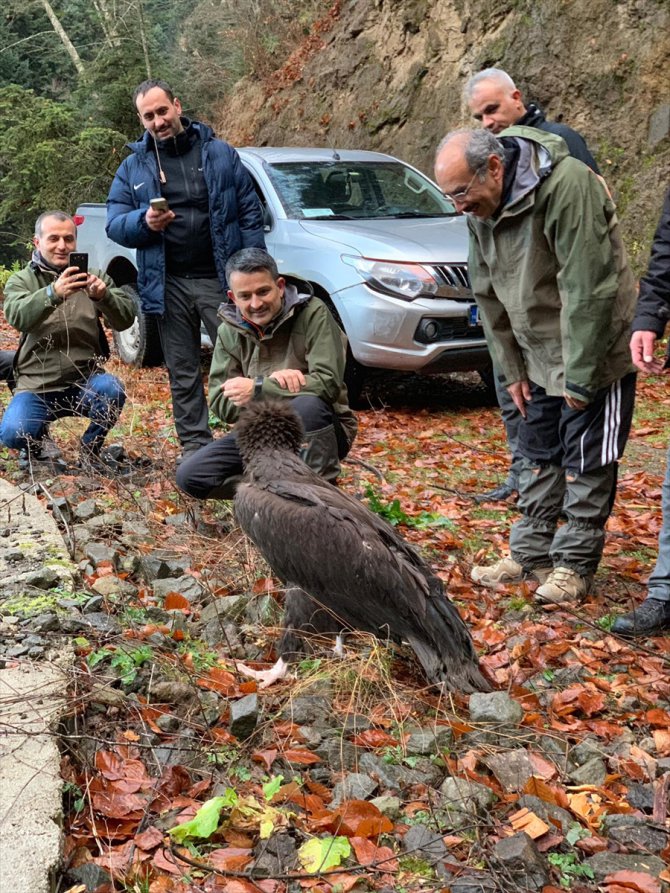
(550, 275)
(303, 336)
(62, 342)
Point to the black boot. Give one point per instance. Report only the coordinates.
(653, 616)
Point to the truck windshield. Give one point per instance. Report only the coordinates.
(356, 191)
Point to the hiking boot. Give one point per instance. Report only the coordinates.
(563, 585)
(653, 616)
(35, 458)
(498, 494)
(506, 570)
(109, 462)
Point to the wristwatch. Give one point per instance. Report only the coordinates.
(258, 387)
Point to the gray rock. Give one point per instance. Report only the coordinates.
(384, 773)
(45, 623)
(311, 735)
(187, 586)
(584, 751)
(93, 604)
(512, 769)
(659, 124)
(263, 610)
(167, 722)
(111, 585)
(593, 771)
(338, 754)
(309, 710)
(86, 510)
(244, 716)
(168, 691)
(109, 523)
(471, 883)
(276, 856)
(388, 805)
(62, 509)
(463, 799)
(634, 833)
(554, 816)
(44, 578)
(98, 553)
(607, 862)
(641, 796)
(216, 633)
(495, 707)
(354, 786)
(101, 623)
(230, 607)
(522, 861)
(89, 874)
(154, 567)
(428, 741)
(354, 724)
(425, 842)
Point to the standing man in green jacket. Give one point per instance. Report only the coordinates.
(57, 308)
(551, 278)
(273, 343)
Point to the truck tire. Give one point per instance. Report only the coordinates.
(354, 379)
(488, 380)
(140, 344)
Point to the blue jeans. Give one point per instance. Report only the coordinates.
(100, 399)
(659, 581)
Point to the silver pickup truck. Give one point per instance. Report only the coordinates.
(376, 239)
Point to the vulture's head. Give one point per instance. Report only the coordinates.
(268, 425)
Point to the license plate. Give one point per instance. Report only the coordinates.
(474, 318)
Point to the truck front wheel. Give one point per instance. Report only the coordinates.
(140, 344)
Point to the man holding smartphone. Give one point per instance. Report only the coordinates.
(57, 307)
(184, 200)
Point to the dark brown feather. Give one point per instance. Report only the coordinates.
(337, 556)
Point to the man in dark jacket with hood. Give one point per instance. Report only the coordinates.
(274, 342)
(557, 297)
(651, 319)
(210, 211)
(497, 103)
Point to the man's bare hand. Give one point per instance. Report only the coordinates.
(95, 288)
(71, 280)
(291, 379)
(642, 346)
(159, 220)
(574, 403)
(519, 391)
(238, 390)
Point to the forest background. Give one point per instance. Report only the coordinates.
(372, 74)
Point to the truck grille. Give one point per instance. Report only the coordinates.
(455, 275)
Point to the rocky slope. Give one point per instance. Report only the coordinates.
(389, 74)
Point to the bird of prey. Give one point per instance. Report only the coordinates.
(345, 567)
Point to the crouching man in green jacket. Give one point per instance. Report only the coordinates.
(57, 308)
(274, 342)
(556, 295)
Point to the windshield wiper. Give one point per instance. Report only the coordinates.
(329, 217)
(422, 214)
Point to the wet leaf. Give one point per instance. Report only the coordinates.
(206, 820)
(323, 853)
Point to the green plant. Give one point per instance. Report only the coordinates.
(569, 867)
(125, 663)
(395, 514)
(202, 658)
(606, 621)
(75, 794)
(395, 756)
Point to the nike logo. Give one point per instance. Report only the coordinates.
(138, 185)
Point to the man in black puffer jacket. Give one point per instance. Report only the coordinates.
(210, 211)
(495, 101)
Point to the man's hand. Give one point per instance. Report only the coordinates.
(573, 402)
(95, 288)
(519, 391)
(642, 346)
(291, 379)
(238, 390)
(159, 220)
(71, 280)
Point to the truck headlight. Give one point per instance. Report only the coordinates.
(407, 281)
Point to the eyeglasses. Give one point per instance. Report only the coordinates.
(458, 197)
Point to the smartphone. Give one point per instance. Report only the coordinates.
(159, 204)
(79, 259)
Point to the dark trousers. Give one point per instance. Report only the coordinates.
(7, 368)
(187, 303)
(570, 467)
(208, 468)
(512, 420)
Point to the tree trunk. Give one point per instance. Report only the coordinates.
(60, 31)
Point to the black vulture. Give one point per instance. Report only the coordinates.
(344, 566)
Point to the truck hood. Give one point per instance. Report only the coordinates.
(420, 240)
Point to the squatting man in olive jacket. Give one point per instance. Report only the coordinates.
(556, 295)
(58, 365)
(273, 342)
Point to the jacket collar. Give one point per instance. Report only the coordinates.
(230, 314)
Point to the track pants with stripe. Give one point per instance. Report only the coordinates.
(569, 468)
